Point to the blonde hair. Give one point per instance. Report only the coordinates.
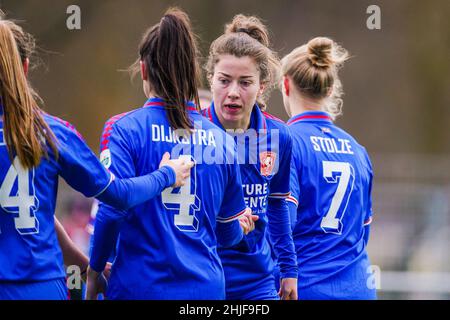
(247, 36)
(26, 133)
(314, 69)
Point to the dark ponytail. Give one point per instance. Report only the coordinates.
(169, 52)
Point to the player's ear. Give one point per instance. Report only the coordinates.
(26, 65)
(143, 70)
(262, 87)
(329, 92)
(286, 85)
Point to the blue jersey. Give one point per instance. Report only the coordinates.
(167, 248)
(331, 179)
(30, 248)
(264, 151)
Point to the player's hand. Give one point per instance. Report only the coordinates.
(288, 289)
(107, 271)
(247, 221)
(95, 284)
(182, 168)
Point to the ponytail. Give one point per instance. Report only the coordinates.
(169, 52)
(314, 68)
(26, 133)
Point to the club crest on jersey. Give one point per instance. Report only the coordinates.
(267, 159)
(105, 158)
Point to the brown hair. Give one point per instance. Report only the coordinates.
(169, 52)
(314, 69)
(26, 133)
(247, 36)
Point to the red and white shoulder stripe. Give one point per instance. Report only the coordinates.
(368, 221)
(293, 200)
(231, 218)
(280, 195)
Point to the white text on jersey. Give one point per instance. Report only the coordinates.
(161, 133)
(330, 145)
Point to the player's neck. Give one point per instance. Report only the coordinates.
(299, 104)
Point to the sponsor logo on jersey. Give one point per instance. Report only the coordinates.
(105, 158)
(267, 159)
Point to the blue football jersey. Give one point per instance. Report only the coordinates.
(30, 248)
(331, 178)
(264, 152)
(167, 248)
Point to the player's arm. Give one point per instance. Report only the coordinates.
(233, 219)
(293, 198)
(369, 213)
(83, 171)
(71, 253)
(279, 224)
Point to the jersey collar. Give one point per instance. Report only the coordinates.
(159, 102)
(311, 116)
(257, 118)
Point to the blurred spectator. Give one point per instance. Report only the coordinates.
(205, 98)
(76, 222)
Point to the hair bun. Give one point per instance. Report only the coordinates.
(250, 25)
(244, 30)
(320, 52)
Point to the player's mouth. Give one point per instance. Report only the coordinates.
(232, 107)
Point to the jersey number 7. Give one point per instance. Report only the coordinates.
(344, 176)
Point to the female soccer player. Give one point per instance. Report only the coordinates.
(36, 148)
(167, 247)
(331, 178)
(241, 69)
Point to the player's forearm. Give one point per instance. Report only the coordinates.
(281, 237)
(292, 207)
(124, 194)
(105, 236)
(229, 234)
(72, 255)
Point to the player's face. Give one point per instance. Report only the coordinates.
(235, 87)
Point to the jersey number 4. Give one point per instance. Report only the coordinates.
(343, 174)
(184, 200)
(17, 197)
